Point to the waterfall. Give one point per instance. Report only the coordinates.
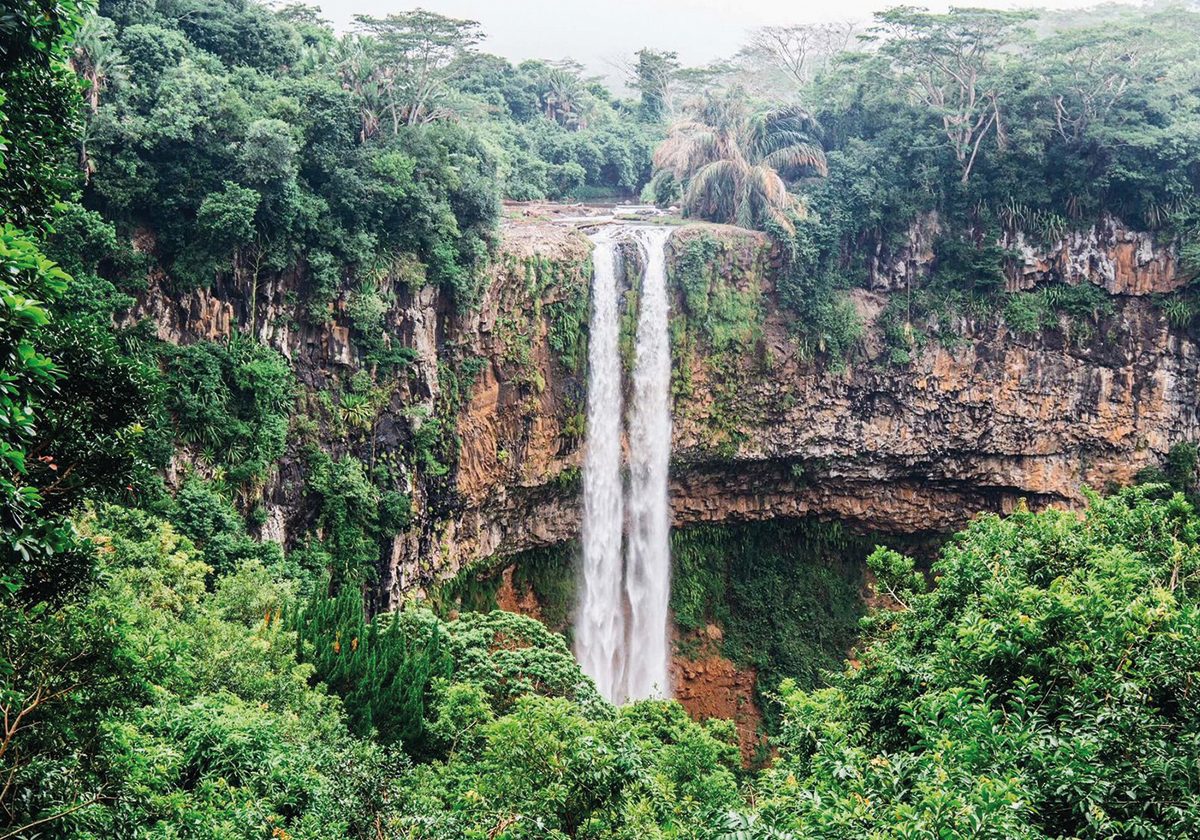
(600, 623)
(621, 627)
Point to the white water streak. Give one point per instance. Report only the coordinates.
(648, 567)
(600, 625)
(621, 635)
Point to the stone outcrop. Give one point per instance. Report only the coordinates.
(1108, 254)
(902, 448)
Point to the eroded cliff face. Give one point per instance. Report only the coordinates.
(762, 432)
(960, 430)
(520, 423)
(998, 418)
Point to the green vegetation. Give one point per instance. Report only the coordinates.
(382, 674)
(568, 320)
(232, 402)
(1032, 312)
(1045, 688)
(733, 164)
(203, 512)
(985, 124)
(349, 506)
(167, 672)
(785, 594)
(294, 146)
(549, 573)
(721, 321)
(1180, 471)
(1050, 644)
(728, 318)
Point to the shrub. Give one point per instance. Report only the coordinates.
(1045, 688)
(232, 401)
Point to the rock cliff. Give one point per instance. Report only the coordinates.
(765, 431)
(999, 417)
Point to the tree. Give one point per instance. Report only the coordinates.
(353, 56)
(798, 51)
(32, 44)
(226, 219)
(91, 441)
(27, 281)
(562, 94)
(39, 109)
(382, 667)
(97, 58)
(1117, 90)
(418, 54)
(239, 32)
(1046, 687)
(735, 165)
(652, 76)
(950, 63)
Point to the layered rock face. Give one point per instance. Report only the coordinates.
(921, 447)
(961, 430)
(769, 431)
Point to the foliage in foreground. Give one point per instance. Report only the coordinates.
(1046, 687)
(152, 686)
(170, 708)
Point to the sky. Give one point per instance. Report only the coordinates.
(602, 33)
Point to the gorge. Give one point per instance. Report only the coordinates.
(998, 418)
(910, 449)
(404, 442)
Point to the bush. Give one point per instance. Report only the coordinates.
(210, 520)
(348, 515)
(1045, 688)
(232, 401)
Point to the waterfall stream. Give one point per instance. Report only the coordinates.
(648, 571)
(600, 621)
(621, 627)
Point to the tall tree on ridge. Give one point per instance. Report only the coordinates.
(652, 77)
(419, 53)
(950, 63)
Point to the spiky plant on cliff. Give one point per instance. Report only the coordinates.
(735, 165)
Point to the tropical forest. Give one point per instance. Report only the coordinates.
(653, 421)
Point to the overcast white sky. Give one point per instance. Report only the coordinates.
(595, 32)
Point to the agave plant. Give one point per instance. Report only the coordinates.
(357, 411)
(735, 166)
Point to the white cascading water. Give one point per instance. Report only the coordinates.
(600, 622)
(648, 565)
(621, 634)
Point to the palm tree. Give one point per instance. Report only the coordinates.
(563, 97)
(96, 57)
(735, 165)
(359, 72)
(98, 61)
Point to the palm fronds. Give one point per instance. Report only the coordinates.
(736, 166)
